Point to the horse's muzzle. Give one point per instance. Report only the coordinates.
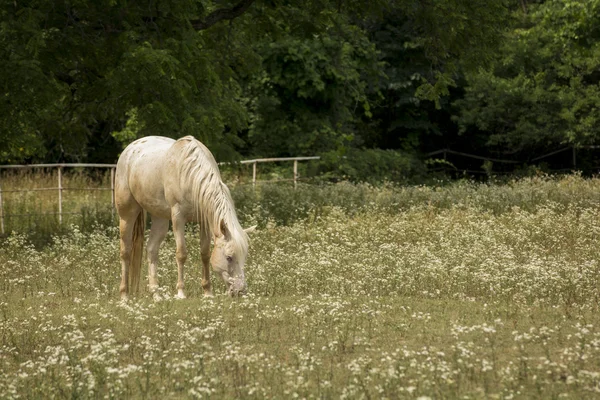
(237, 288)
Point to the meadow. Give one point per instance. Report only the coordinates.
(460, 290)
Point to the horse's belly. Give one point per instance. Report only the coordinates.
(148, 190)
(155, 207)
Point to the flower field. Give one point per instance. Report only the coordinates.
(470, 292)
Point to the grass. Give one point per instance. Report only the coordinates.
(36, 213)
(462, 291)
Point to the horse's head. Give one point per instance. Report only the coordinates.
(228, 259)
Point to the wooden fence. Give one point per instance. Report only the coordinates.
(571, 155)
(59, 189)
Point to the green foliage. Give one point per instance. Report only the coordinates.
(278, 78)
(543, 87)
(334, 80)
(132, 128)
(423, 49)
(315, 66)
(306, 99)
(453, 33)
(74, 70)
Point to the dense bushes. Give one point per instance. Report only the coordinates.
(282, 205)
(372, 165)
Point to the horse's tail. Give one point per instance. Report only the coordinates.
(136, 251)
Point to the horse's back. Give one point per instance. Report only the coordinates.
(159, 174)
(140, 175)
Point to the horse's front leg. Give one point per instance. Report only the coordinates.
(205, 251)
(181, 252)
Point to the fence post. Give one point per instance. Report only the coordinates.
(295, 172)
(254, 173)
(112, 191)
(60, 188)
(1, 211)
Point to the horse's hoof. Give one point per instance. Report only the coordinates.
(180, 294)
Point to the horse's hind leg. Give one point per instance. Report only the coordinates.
(159, 229)
(126, 224)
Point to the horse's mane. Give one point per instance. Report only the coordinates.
(210, 196)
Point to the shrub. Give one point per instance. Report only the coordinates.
(372, 165)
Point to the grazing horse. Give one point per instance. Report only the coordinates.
(177, 181)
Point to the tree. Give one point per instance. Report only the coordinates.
(542, 90)
(368, 74)
(267, 76)
(73, 70)
(314, 71)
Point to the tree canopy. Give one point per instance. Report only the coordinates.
(542, 88)
(82, 78)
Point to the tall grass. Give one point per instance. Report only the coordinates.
(283, 205)
(36, 213)
(274, 204)
(462, 291)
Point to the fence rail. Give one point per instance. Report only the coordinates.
(445, 152)
(60, 188)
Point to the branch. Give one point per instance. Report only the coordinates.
(524, 6)
(221, 14)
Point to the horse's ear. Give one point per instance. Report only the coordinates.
(250, 230)
(224, 230)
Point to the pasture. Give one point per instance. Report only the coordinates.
(464, 290)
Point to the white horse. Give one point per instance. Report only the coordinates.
(178, 181)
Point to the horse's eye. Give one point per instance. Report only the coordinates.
(229, 258)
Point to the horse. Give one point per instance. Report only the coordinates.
(177, 180)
